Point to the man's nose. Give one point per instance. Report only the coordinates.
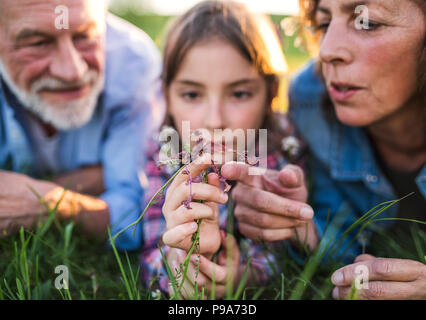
(67, 64)
(335, 47)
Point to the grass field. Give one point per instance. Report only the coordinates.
(28, 259)
(28, 262)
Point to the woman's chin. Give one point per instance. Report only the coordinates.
(352, 117)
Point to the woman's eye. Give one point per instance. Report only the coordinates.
(366, 24)
(372, 26)
(323, 26)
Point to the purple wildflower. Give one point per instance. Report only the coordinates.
(187, 202)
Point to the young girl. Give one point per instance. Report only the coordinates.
(222, 66)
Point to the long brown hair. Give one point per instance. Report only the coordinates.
(253, 35)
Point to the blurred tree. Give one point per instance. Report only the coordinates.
(135, 6)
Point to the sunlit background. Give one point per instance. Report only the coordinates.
(173, 7)
(152, 16)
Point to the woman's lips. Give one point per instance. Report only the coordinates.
(341, 92)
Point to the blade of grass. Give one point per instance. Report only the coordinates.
(243, 280)
(123, 273)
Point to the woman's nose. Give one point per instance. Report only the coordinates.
(335, 46)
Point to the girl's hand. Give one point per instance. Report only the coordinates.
(219, 273)
(180, 220)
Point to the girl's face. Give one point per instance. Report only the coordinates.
(217, 88)
(370, 74)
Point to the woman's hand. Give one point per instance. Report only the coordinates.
(180, 219)
(388, 279)
(271, 206)
(219, 273)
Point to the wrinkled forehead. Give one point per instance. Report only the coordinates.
(391, 6)
(45, 15)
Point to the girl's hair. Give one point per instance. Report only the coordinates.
(253, 35)
(308, 10)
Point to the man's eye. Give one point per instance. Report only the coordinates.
(81, 37)
(40, 43)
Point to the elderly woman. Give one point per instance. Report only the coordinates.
(361, 109)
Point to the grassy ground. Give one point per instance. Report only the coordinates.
(29, 258)
(28, 262)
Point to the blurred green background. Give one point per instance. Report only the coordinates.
(155, 26)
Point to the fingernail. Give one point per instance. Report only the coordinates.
(337, 278)
(194, 259)
(336, 293)
(194, 226)
(306, 213)
(224, 197)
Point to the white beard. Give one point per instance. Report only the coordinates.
(63, 116)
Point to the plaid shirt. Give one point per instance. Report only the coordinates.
(153, 271)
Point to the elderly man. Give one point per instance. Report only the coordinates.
(75, 104)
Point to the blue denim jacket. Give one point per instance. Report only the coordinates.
(346, 178)
(115, 135)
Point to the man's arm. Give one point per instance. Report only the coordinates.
(20, 205)
(87, 180)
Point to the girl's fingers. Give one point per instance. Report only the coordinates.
(184, 215)
(230, 247)
(194, 169)
(199, 191)
(204, 281)
(213, 179)
(176, 235)
(210, 269)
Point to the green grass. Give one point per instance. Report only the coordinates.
(28, 260)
